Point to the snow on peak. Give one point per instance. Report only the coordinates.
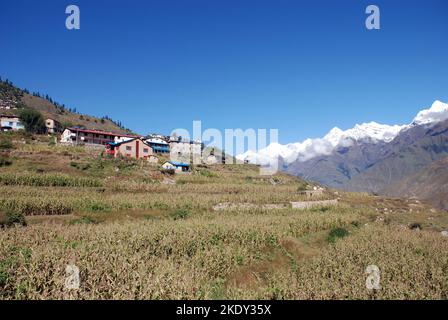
(367, 131)
(374, 131)
(311, 148)
(438, 112)
(370, 132)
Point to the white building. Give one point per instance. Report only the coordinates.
(77, 135)
(10, 122)
(186, 151)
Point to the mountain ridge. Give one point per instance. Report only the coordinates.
(373, 131)
(371, 157)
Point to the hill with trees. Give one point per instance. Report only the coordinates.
(13, 99)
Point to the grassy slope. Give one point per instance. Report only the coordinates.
(11, 95)
(50, 111)
(137, 237)
(429, 184)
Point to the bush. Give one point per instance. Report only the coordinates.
(180, 214)
(32, 120)
(207, 173)
(83, 220)
(5, 161)
(11, 218)
(5, 144)
(336, 233)
(80, 166)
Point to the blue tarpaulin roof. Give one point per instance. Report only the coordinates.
(179, 164)
(160, 148)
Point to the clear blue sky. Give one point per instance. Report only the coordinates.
(299, 66)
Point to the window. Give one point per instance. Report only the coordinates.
(145, 150)
(128, 148)
(11, 123)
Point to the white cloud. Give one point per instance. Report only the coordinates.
(372, 131)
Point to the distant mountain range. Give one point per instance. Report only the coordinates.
(372, 157)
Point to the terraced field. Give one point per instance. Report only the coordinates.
(137, 234)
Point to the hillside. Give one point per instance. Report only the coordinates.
(429, 184)
(11, 96)
(218, 232)
(407, 154)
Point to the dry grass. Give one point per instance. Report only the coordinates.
(137, 238)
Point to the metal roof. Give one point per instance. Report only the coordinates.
(178, 164)
(103, 132)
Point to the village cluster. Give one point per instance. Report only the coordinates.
(179, 152)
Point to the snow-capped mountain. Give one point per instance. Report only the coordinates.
(438, 112)
(371, 132)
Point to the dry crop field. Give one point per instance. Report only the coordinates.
(135, 233)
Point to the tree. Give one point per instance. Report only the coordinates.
(32, 120)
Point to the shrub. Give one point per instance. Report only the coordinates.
(207, 173)
(180, 214)
(11, 218)
(336, 233)
(83, 220)
(5, 144)
(80, 166)
(5, 161)
(32, 120)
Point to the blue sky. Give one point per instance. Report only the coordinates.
(300, 67)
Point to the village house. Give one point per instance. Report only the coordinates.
(185, 150)
(158, 144)
(133, 148)
(10, 123)
(178, 167)
(52, 125)
(75, 135)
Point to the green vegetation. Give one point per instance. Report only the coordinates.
(5, 143)
(11, 218)
(336, 233)
(5, 161)
(180, 214)
(47, 180)
(32, 120)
